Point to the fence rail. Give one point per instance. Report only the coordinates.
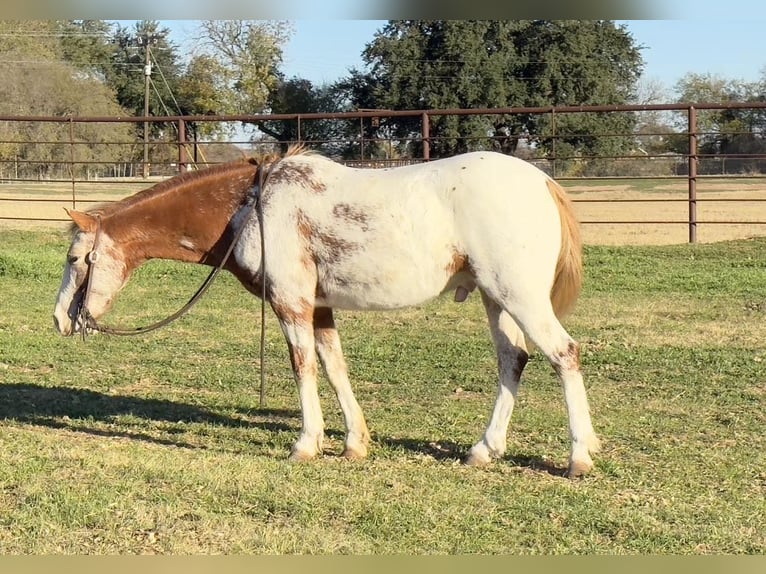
(55, 163)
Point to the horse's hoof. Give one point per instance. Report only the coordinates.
(300, 456)
(474, 459)
(579, 468)
(351, 453)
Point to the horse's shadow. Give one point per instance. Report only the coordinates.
(77, 409)
(81, 409)
(447, 450)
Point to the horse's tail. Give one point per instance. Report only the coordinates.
(568, 279)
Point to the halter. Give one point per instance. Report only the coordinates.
(83, 315)
(87, 321)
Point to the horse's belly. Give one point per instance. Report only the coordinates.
(383, 289)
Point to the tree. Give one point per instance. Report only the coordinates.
(36, 40)
(581, 62)
(232, 71)
(726, 131)
(485, 64)
(300, 96)
(653, 127)
(36, 81)
(126, 75)
(200, 92)
(86, 45)
(250, 53)
(439, 64)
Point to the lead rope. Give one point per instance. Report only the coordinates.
(88, 322)
(259, 207)
(91, 322)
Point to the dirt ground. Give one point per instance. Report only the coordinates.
(603, 222)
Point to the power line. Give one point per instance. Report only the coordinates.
(55, 34)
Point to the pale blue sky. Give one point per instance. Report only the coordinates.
(716, 42)
(726, 47)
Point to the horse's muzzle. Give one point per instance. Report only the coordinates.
(63, 327)
(67, 321)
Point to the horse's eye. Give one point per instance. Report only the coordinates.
(72, 259)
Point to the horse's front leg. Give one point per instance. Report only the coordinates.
(296, 321)
(331, 355)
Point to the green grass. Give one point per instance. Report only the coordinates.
(156, 444)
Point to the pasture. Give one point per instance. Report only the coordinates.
(157, 444)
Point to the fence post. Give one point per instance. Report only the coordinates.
(71, 162)
(361, 138)
(426, 133)
(183, 158)
(299, 136)
(692, 174)
(553, 143)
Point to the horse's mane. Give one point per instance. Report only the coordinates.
(272, 156)
(182, 182)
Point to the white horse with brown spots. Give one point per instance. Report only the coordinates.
(344, 238)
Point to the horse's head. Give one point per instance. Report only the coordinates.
(94, 273)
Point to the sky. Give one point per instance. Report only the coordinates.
(727, 45)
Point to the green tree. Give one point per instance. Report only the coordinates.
(485, 64)
(249, 53)
(300, 96)
(201, 87)
(726, 131)
(200, 92)
(581, 62)
(234, 69)
(127, 75)
(86, 45)
(36, 81)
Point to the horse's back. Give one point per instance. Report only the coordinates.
(498, 184)
(500, 200)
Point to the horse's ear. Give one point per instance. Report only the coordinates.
(83, 220)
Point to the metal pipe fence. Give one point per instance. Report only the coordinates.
(62, 161)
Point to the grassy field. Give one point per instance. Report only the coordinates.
(156, 444)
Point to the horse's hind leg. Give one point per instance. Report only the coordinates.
(330, 353)
(511, 359)
(536, 318)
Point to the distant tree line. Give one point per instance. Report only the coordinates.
(98, 68)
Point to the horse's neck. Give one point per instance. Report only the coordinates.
(188, 227)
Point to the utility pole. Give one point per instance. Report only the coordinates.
(146, 40)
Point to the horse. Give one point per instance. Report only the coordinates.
(338, 237)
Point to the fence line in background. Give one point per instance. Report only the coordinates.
(79, 163)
